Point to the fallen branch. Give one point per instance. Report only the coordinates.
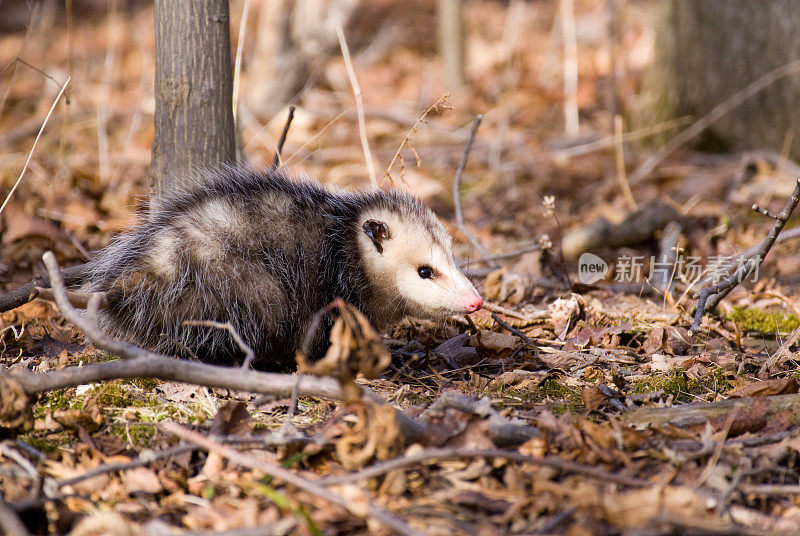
(30, 291)
(429, 455)
(379, 514)
(690, 414)
(141, 363)
(145, 458)
(709, 297)
(504, 432)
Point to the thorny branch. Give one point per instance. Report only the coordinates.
(715, 293)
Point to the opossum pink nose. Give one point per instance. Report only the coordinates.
(473, 304)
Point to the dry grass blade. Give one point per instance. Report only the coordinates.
(35, 141)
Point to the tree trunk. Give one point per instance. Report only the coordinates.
(193, 88)
(707, 51)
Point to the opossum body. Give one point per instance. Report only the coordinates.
(265, 253)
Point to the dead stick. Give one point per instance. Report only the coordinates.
(282, 139)
(457, 189)
(146, 458)
(511, 329)
(379, 514)
(29, 292)
(723, 288)
(456, 453)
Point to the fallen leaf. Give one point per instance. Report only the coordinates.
(777, 386)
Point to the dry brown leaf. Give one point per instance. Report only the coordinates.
(16, 414)
(593, 398)
(654, 342)
(105, 524)
(777, 386)
(355, 347)
(375, 435)
(17, 224)
(88, 418)
(494, 342)
(141, 479)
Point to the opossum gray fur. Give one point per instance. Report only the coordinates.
(265, 252)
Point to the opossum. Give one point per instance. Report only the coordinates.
(265, 252)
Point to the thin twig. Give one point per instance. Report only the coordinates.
(511, 329)
(502, 256)
(619, 154)
(30, 291)
(442, 102)
(646, 167)
(428, 455)
(276, 161)
(379, 514)
(35, 141)
(227, 326)
(362, 128)
(457, 189)
(723, 288)
(145, 458)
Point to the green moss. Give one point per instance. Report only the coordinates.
(139, 434)
(47, 444)
(145, 384)
(118, 394)
(674, 383)
(716, 381)
(55, 400)
(558, 397)
(750, 319)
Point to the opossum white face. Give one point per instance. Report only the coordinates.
(409, 260)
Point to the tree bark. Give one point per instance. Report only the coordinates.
(707, 51)
(193, 88)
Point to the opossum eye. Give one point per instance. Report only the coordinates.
(377, 231)
(425, 272)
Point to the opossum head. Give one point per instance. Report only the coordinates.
(407, 255)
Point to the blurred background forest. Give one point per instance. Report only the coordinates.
(631, 129)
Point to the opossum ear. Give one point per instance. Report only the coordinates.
(377, 231)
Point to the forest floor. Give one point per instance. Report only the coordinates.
(568, 405)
